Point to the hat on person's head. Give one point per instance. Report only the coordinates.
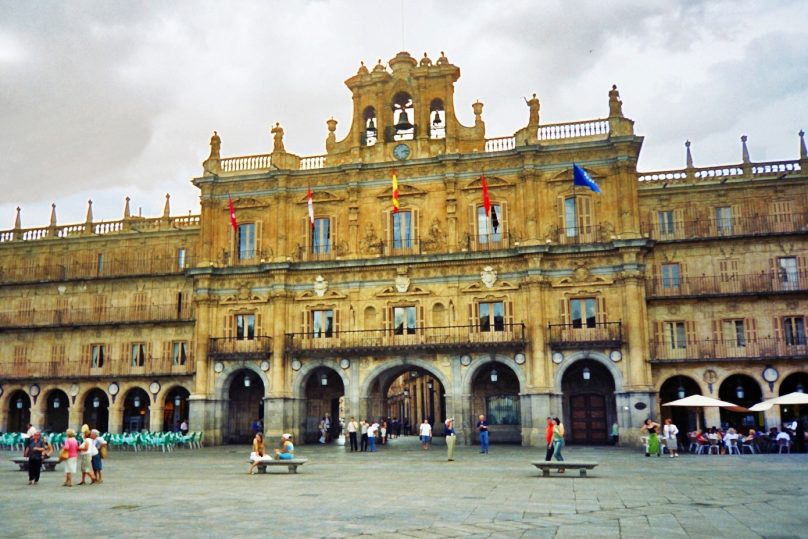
(286, 436)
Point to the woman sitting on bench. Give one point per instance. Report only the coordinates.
(259, 452)
(286, 452)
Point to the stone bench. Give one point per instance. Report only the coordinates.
(291, 464)
(546, 466)
(49, 465)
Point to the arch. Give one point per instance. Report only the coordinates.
(479, 363)
(19, 411)
(370, 317)
(792, 383)
(675, 387)
(317, 401)
(437, 119)
(752, 393)
(175, 407)
(617, 375)
(439, 314)
(402, 125)
(301, 377)
(136, 410)
(225, 378)
(402, 364)
(589, 401)
(370, 126)
(95, 416)
(243, 402)
(57, 411)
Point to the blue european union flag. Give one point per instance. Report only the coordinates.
(582, 179)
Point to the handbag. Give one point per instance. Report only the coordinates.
(103, 451)
(64, 454)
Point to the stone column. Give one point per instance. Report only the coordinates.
(156, 417)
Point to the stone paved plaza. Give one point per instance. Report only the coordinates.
(402, 491)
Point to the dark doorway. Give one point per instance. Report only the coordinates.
(19, 411)
(136, 411)
(324, 392)
(96, 410)
(589, 405)
(675, 388)
(245, 407)
(588, 418)
(57, 415)
(175, 409)
(744, 391)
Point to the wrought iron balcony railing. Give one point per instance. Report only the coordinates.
(733, 349)
(111, 367)
(600, 335)
(729, 285)
(82, 269)
(234, 348)
(438, 338)
(758, 225)
(95, 316)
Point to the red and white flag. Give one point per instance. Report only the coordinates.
(486, 198)
(233, 221)
(311, 207)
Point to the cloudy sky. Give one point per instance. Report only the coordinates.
(108, 99)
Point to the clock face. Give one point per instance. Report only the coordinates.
(616, 355)
(401, 152)
(770, 374)
(558, 357)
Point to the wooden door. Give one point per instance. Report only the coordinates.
(588, 413)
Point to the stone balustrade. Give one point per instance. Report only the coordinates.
(722, 172)
(567, 130)
(137, 224)
(246, 162)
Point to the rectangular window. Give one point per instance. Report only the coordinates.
(503, 410)
(138, 354)
(97, 355)
(322, 323)
(665, 220)
(723, 220)
(179, 353)
(246, 241)
(321, 236)
(181, 258)
(583, 312)
(671, 276)
(99, 263)
(675, 333)
(492, 316)
(787, 273)
(734, 333)
(245, 327)
(570, 217)
(489, 230)
(402, 230)
(404, 320)
(794, 330)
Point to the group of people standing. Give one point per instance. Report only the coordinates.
(669, 433)
(85, 456)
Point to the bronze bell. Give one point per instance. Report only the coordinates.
(436, 120)
(371, 125)
(403, 121)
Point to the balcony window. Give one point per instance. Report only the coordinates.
(675, 334)
(322, 323)
(245, 327)
(179, 353)
(723, 220)
(97, 355)
(787, 273)
(402, 230)
(671, 276)
(665, 220)
(583, 312)
(492, 316)
(404, 320)
(734, 333)
(321, 236)
(181, 258)
(794, 330)
(246, 241)
(502, 410)
(138, 354)
(489, 229)
(99, 263)
(578, 218)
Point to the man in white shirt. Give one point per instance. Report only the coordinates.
(352, 427)
(426, 434)
(372, 431)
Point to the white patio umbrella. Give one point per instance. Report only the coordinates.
(790, 399)
(700, 401)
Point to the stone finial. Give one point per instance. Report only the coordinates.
(126, 214)
(379, 66)
(89, 219)
(53, 215)
(17, 219)
(477, 107)
(745, 151)
(442, 60)
(533, 104)
(425, 61)
(803, 151)
(331, 139)
(363, 70)
(167, 207)
(277, 137)
(689, 155)
(332, 124)
(615, 104)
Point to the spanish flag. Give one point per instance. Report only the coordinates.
(395, 191)
(233, 221)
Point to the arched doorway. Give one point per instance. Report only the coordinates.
(136, 407)
(495, 394)
(96, 410)
(325, 397)
(57, 415)
(19, 411)
(245, 407)
(795, 383)
(744, 391)
(675, 388)
(175, 409)
(589, 404)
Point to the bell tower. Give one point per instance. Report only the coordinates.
(404, 111)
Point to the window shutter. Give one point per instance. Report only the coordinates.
(336, 322)
(86, 354)
(751, 330)
(419, 313)
(690, 331)
(387, 315)
(773, 270)
(564, 311)
(416, 230)
(332, 235)
(259, 235)
(562, 226)
(387, 224)
(259, 324)
(509, 315)
(149, 350)
(585, 215)
(717, 330)
(777, 325)
(503, 223)
(229, 321)
(307, 238)
(659, 333)
(473, 228)
(305, 322)
(602, 315)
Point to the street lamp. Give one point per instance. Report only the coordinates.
(19, 403)
(494, 375)
(136, 401)
(587, 373)
(429, 384)
(406, 392)
(247, 381)
(739, 391)
(323, 379)
(56, 403)
(680, 392)
(177, 400)
(96, 402)
(800, 388)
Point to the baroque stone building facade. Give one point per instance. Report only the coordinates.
(498, 287)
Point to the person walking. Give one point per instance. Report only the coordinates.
(652, 446)
(322, 429)
(426, 434)
(558, 441)
(373, 430)
(36, 449)
(352, 427)
(669, 432)
(548, 437)
(99, 443)
(363, 429)
(88, 450)
(482, 427)
(72, 446)
(450, 438)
